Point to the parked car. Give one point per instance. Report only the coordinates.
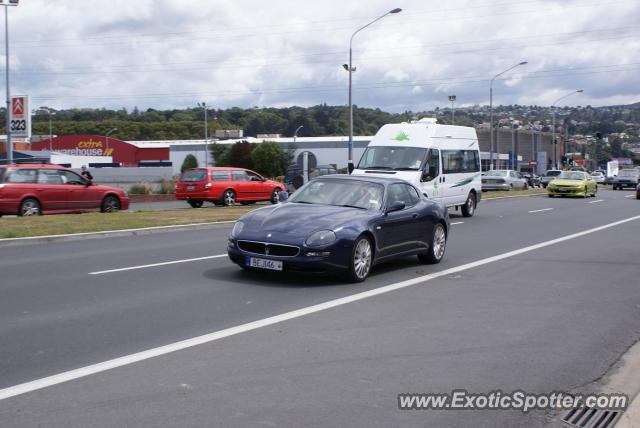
(626, 178)
(503, 179)
(638, 191)
(572, 183)
(342, 224)
(609, 179)
(548, 176)
(225, 186)
(598, 177)
(532, 179)
(36, 189)
(293, 178)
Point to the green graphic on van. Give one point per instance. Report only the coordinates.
(465, 181)
(402, 136)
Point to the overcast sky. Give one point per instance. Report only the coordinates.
(173, 54)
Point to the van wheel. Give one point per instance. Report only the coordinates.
(469, 207)
(195, 204)
(29, 207)
(437, 247)
(110, 204)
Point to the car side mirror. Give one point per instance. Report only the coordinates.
(283, 196)
(396, 206)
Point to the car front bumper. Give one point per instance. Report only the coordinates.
(336, 262)
(496, 186)
(568, 191)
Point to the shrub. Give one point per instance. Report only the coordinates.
(190, 161)
(166, 187)
(267, 158)
(142, 188)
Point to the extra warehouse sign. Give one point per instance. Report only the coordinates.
(20, 118)
(88, 147)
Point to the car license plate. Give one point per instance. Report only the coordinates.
(191, 187)
(263, 263)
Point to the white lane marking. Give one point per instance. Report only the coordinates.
(629, 196)
(491, 198)
(108, 232)
(596, 201)
(59, 378)
(542, 210)
(457, 222)
(173, 262)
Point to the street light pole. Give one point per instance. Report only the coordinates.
(553, 125)
(295, 134)
(452, 98)
(350, 69)
(491, 111)
(6, 4)
(107, 139)
(203, 105)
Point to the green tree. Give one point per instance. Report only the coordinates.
(216, 151)
(268, 158)
(240, 155)
(225, 158)
(190, 161)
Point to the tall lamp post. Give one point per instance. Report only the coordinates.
(452, 98)
(51, 113)
(7, 3)
(553, 125)
(112, 130)
(351, 69)
(491, 109)
(295, 134)
(203, 106)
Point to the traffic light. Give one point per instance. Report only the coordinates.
(571, 161)
(564, 160)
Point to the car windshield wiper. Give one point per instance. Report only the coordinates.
(353, 206)
(405, 169)
(302, 202)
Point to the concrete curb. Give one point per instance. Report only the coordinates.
(112, 233)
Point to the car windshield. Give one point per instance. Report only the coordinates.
(393, 158)
(194, 175)
(496, 173)
(628, 173)
(343, 193)
(571, 175)
(553, 173)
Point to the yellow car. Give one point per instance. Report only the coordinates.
(572, 183)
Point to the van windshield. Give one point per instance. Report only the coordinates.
(628, 173)
(393, 158)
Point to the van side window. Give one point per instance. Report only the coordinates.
(459, 161)
(432, 166)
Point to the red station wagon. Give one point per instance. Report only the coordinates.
(225, 186)
(34, 189)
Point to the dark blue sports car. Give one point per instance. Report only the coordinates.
(342, 224)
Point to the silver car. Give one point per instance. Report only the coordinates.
(503, 179)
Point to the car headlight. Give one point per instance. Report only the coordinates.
(237, 228)
(321, 238)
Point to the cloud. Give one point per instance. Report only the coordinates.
(168, 54)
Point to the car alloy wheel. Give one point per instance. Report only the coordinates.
(275, 196)
(362, 258)
(439, 242)
(29, 207)
(110, 204)
(229, 197)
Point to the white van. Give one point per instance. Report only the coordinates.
(441, 160)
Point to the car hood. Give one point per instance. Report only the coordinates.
(299, 220)
(564, 182)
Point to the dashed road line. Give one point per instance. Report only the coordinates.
(542, 210)
(173, 262)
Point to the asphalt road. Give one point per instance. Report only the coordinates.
(550, 319)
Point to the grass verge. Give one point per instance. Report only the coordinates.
(501, 194)
(18, 227)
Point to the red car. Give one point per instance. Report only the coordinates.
(34, 189)
(226, 186)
